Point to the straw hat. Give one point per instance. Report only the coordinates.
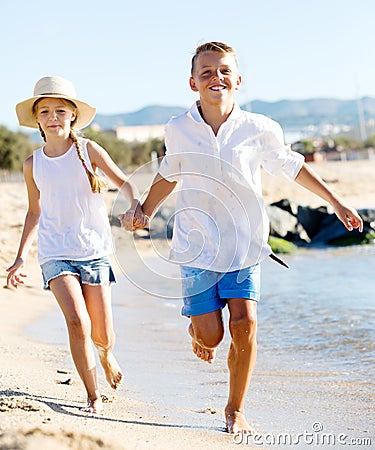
(55, 87)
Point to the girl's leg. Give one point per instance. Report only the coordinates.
(68, 292)
(98, 304)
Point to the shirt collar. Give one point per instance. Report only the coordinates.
(194, 114)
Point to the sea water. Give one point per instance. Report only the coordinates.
(315, 319)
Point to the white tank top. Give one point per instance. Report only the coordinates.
(74, 222)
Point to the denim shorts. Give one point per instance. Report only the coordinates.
(206, 291)
(93, 271)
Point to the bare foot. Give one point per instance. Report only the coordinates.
(205, 354)
(237, 423)
(93, 406)
(111, 368)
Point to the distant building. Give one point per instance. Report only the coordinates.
(140, 133)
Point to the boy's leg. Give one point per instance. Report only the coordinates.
(98, 304)
(241, 361)
(207, 332)
(68, 293)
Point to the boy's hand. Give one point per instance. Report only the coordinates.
(349, 217)
(133, 220)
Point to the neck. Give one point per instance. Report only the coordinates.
(57, 146)
(215, 115)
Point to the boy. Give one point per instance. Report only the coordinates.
(221, 229)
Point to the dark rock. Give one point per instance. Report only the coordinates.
(311, 218)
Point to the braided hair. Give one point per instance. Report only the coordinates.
(97, 182)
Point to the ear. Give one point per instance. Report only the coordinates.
(74, 116)
(193, 86)
(239, 82)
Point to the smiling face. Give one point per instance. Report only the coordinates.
(55, 116)
(215, 76)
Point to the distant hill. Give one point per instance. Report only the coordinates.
(150, 115)
(290, 113)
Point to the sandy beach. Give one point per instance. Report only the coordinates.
(40, 392)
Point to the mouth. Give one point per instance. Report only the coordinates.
(217, 87)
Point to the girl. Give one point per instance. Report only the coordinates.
(74, 237)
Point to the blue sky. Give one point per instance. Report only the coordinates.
(124, 55)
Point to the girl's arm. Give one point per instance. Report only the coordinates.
(30, 226)
(100, 159)
(310, 180)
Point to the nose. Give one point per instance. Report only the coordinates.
(52, 115)
(218, 74)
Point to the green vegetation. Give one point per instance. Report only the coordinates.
(344, 142)
(370, 141)
(279, 245)
(120, 151)
(368, 238)
(14, 148)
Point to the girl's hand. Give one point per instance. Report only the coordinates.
(133, 220)
(15, 276)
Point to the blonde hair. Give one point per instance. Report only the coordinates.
(97, 182)
(213, 46)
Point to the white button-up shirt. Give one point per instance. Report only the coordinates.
(220, 221)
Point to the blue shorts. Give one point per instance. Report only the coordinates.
(205, 291)
(93, 271)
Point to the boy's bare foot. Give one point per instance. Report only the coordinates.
(237, 423)
(111, 368)
(205, 354)
(93, 406)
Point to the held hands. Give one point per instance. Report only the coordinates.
(134, 219)
(15, 276)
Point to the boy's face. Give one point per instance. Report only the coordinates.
(215, 77)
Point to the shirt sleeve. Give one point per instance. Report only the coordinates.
(170, 167)
(279, 158)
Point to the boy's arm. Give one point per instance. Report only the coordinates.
(310, 180)
(159, 191)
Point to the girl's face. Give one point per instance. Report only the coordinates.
(55, 116)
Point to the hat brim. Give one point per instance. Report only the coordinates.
(26, 118)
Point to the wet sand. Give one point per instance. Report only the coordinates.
(40, 392)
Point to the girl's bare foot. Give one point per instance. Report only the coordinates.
(111, 368)
(94, 406)
(237, 423)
